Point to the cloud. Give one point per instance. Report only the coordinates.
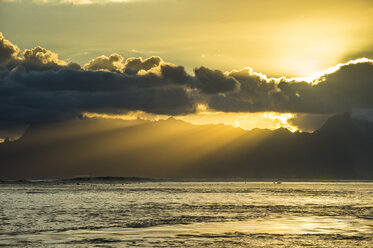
(111, 63)
(134, 65)
(37, 86)
(176, 74)
(64, 94)
(40, 59)
(8, 51)
(36, 59)
(348, 86)
(213, 82)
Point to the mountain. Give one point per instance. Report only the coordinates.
(340, 149)
(342, 125)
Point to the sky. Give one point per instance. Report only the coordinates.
(249, 64)
(278, 38)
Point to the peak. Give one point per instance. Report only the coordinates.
(339, 119)
(341, 124)
(173, 120)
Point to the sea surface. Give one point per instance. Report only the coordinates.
(187, 214)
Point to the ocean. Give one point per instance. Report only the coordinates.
(186, 214)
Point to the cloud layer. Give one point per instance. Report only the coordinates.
(35, 86)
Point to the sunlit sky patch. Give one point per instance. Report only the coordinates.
(279, 38)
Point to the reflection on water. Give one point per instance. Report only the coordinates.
(187, 214)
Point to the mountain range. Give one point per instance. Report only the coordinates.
(341, 149)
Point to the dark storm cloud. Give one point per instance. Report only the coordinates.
(213, 82)
(175, 74)
(35, 85)
(254, 94)
(350, 87)
(55, 95)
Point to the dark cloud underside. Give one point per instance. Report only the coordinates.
(35, 85)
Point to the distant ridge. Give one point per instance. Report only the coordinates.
(140, 150)
(110, 179)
